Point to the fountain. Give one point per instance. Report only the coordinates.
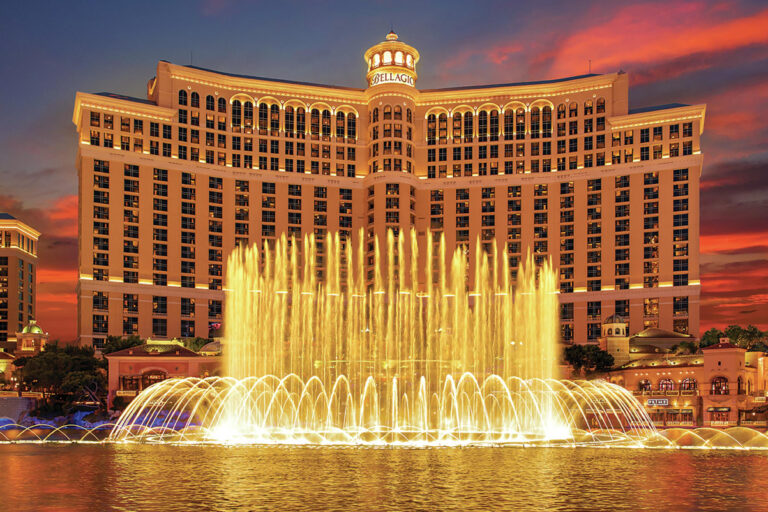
(376, 348)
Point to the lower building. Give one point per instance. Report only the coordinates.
(721, 386)
(133, 369)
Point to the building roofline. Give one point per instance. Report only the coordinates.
(513, 84)
(9, 221)
(656, 114)
(119, 103)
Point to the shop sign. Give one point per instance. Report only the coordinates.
(125, 392)
(388, 77)
(718, 409)
(657, 402)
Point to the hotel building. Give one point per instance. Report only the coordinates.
(168, 185)
(18, 271)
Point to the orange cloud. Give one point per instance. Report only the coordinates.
(679, 30)
(731, 241)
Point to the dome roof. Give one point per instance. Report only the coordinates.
(655, 332)
(615, 319)
(212, 348)
(32, 328)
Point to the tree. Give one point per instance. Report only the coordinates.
(195, 344)
(65, 371)
(115, 343)
(589, 358)
(711, 337)
(744, 337)
(685, 347)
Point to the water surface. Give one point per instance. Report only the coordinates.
(65, 477)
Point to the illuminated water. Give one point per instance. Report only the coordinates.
(78, 477)
(386, 350)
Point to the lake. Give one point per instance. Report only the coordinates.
(47, 477)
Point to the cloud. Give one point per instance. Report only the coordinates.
(681, 29)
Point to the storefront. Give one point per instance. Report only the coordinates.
(718, 416)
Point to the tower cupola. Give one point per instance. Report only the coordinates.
(391, 62)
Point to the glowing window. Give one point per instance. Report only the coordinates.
(387, 58)
(399, 58)
(409, 61)
(376, 60)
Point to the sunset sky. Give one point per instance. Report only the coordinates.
(687, 52)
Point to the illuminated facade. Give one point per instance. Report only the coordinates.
(563, 168)
(18, 271)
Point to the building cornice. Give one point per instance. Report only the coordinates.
(26, 229)
(681, 113)
(263, 86)
(511, 92)
(120, 106)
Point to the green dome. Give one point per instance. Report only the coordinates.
(32, 328)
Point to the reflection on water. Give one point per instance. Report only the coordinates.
(169, 478)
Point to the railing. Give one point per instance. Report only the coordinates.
(754, 423)
(721, 423)
(688, 392)
(672, 393)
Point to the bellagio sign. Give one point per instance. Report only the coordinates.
(388, 77)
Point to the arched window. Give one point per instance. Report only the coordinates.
(644, 385)
(222, 105)
(351, 126)
(314, 122)
(375, 118)
(289, 121)
(588, 108)
(469, 130)
(263, 116)
(561, 111)
(719, 386)
(399, 58)
(209, 103)
(573, 109)
(408, 115)
(301, 122)
(340, 125)
(431, 129)
(535, 122)
(326, 123)
(274, 119)
(194, 100)
(546, 122)
(398, 113)
(387, 112)
(387, 58)
(666, 385)
(182, 97)
(520, 123)
(482, 126)
(442, 128)
(600, 105)
(494, 128)
(248, 114)
(609, 332)
(376, 60)
(409, 61)
(457, 128)
(739, 386)
(689, 384)
(509, 124)
(236, 113)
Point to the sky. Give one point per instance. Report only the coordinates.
(686, 51)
